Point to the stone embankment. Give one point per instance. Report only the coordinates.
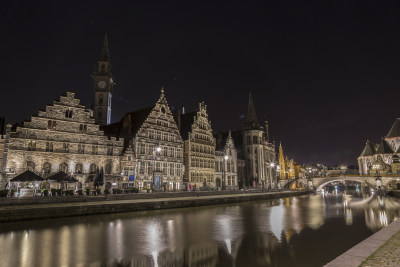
(135, 202)
(380, 249)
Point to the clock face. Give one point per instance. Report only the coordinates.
(102, 84)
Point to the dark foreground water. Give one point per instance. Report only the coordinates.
(298, 231)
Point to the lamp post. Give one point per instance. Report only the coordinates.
(377, 176)
(278, 176)
(272, 165)
(224, 171)
(156, 150)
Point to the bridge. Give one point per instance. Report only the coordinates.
(320, 182)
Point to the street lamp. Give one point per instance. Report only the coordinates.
(378, 178)
(226, 157)
(156, 150)
(272, 165)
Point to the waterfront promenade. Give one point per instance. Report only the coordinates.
(139, 202)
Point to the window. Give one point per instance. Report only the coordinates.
(32, 145)
(100, 112)
(30, 165)
(128, 170)
(68, 113)
(248, 140)
(78, 168)
(51, 125)
(109, 150)
(94, 150)
(102, 68)
(46, 167)
(108, 168)
(49, 147)
(63, 167)
(255, 140)
(92, 168)
(81, 149)
(83, 128)
(101, 99)
(66, 147)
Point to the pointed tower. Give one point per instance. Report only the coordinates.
(103, 79)
(251, 118)
(281, 162)
(254, 140)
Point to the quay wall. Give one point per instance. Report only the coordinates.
(59, 210)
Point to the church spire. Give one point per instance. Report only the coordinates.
(104, 52)
(251, 119)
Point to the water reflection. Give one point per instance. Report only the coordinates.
(269, 233)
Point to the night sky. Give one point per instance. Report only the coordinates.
(325, 74)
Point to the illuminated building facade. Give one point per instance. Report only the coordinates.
(226, 161)
(199, 148)
(259, 153)
(63, 137)
(156, 143)
(380, 157)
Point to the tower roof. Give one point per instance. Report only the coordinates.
(384, 148)
(395, 130)
(251, 119)
(104, 52)
(368, 150)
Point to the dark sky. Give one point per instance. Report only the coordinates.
(326, 74)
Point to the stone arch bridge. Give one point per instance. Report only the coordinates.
(320, 182)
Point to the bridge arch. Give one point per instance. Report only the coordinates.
(339, 179)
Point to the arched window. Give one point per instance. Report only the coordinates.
(92, 168)
(30, 165)
(108, 168)
(100, 112)
(63, 167)
(78, 168)
(46, 167)
(101, 99)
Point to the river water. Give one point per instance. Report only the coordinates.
(299, 231)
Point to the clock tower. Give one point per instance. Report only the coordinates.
(103, 79)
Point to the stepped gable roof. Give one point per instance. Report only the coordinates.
(395, 130)
(368, 150)
(384, 148)
(62, 177)
(27, 176)
(187, 121)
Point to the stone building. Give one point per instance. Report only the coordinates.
(226, 161)
(199, 148)
(63, 137)
(103, 82)
(381, 154)
(156, 143)
(259, 153)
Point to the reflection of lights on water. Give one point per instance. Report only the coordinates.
(383, 218)
(349, 217)
(276, 220)
(228, 245)
(155, 258)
